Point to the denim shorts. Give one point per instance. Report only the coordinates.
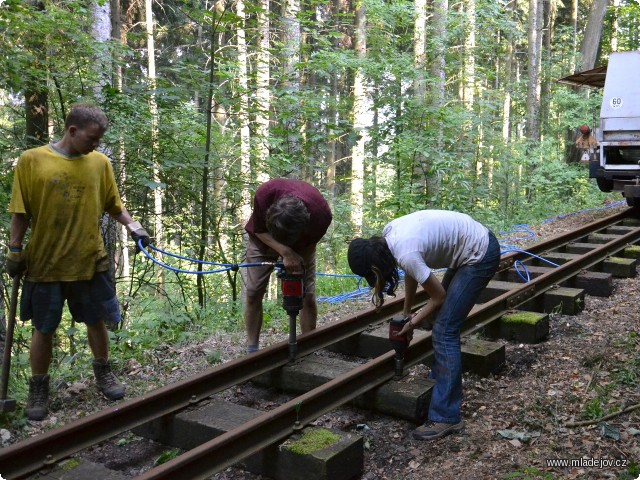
(89, 301)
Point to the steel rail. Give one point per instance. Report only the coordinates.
(234, 445)
(32, 454)
(563, 239)
(275, 425)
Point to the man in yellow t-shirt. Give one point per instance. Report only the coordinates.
(60, 191)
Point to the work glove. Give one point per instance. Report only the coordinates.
(138, 232)
(16, 262)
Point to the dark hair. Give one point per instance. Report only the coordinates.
(84, 114)
(373, 260)
(287, 218)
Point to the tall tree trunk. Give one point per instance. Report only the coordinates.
(438, 71)
(223, 241)
(36, 96)
(263, 99)
(153, 111)
(614, 26)
(359, 122)
(469, 61)
(547, 35)
(508, 80)
(243, 112)
(122, 263)
(438, 67)
(291, 41)
(574, 35)
(204, 191)
(469, 86)
(533, 89)
(420, 49)
(592, 34)
(243, 119)
(102, 31)
(334, 150)
(419, 83)
(371, 171)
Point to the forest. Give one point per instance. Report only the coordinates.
(387, 107)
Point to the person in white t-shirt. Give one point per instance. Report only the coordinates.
(418, 243)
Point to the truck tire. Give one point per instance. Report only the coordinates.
(604, 184)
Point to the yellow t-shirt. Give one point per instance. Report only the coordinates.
(64, 197)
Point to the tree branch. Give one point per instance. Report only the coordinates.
(606, 417)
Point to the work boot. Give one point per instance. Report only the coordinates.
(38, 402)
(434, 430)
(106, 380)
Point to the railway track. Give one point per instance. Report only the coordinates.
(597, 242)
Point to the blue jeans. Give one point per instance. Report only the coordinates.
(463, 286)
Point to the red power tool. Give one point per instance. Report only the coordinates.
(400, 343)
(292, 298)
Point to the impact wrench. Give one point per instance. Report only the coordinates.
(400, 343)
(292, 297)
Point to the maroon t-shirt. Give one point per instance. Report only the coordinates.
(271, 191)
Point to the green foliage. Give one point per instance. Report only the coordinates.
(153, 324)
(627, 373)
(166, 456)
(328, 285)
(593, 409)
(633, 471)
(625, 17)
(529, 473)
(574, 108)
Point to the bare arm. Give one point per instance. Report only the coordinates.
(137, 231)
(292, 261)
(436, 293)
(19, 226)
(410, 288)
(123, 217)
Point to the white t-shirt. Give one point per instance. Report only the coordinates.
(430, 239)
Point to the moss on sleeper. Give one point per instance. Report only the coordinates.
(620, 260)
(529, 318)
(313, 440)
(71, 464)
(632, 251)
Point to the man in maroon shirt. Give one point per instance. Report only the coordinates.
(289, 218)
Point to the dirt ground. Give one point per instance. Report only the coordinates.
(515, 420)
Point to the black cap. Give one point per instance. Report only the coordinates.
(359, 257)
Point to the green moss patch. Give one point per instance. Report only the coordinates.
(70, 464)
(632, 251)
(313, 440)
(619, 260)
(530, 318)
